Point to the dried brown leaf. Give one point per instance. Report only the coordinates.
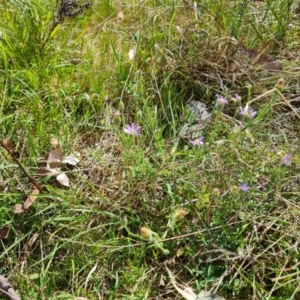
(120, 15)
(8, 143)
(54, 142)
(189, 294)
(43, 172)
(267, 62)
(20, 208)
(54, 156)
(56, 164)
(31, 198)
(4, 231)
(31, 241)
(71, 160)
(274, 66)
(161, 281)
(63, 179)
(3, 185)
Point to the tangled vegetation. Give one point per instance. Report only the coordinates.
(110, 183)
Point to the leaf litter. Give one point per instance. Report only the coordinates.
(4, 231)
(22, 207)
(63, 179)
(54, 162)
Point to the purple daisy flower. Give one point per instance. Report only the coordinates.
(244, 187)
(221, 101)
(132, 129)
(248, 112)
(286, 159)
(198, 142)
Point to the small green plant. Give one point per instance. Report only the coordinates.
(151, 236)
(149, 111)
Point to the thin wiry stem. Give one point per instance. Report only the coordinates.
(21, 167)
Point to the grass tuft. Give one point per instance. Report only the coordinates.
(215, 202)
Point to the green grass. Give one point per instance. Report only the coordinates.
(65, 81)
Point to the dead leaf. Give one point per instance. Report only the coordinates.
(8, 143)
(131, 53)
(120, 15)
(4, 231)
(43, 172)
(273, 66)
(54, 156)
(189, 294)
(63, 179)
(161, 281)
(28, 248)
(54, 142)
(31, 241)
(56, 164)
(31, 198)
(3, 185)
(204, 295)
(71, 160)
(20, 208)
(55, 160)
(267, 62)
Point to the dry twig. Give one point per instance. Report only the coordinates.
(21, 167)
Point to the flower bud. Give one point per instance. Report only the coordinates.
(94, 96)
(146, 233)
(139, 117)
(234, 189)
(180, 214)
(121, 106)
(280, 84)
(117, 119)
(221, 102)
(237, 100)
(216, 192)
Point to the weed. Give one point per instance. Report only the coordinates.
(113, 87)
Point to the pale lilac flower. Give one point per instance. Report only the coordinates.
(248, 112)
(221, 101)
(237, 100)
(286, 159)
(132, 129)
(198, 142)
(244, 187)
